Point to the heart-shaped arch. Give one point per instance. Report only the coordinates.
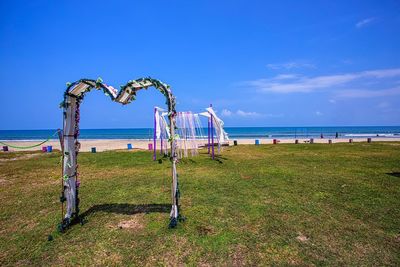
(73, 97)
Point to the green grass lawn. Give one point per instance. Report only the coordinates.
(256, 205)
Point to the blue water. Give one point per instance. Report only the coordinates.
(234, 133)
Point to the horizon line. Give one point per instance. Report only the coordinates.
(318, 126)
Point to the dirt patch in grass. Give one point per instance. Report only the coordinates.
(30, 225)
(205, 230)
(246, 177)
(302, 238)
(134, 224)
(184, 249)
(362, 249)
(107, 258)
(172, 251)
(238, 256)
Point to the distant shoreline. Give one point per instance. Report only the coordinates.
(386, 138)
(240, 133)
(118, 144)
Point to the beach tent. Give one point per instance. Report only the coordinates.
(73, 97)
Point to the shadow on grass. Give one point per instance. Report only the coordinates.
(127, 209)
(219, 159)
(395, 174)
(119, 208)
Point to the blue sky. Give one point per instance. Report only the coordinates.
(260, 63)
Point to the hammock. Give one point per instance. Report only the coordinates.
(32, 146)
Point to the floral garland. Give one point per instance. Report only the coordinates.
(131, 87)
(128, 87)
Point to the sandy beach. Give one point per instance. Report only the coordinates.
(114, 144)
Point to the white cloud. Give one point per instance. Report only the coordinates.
(240, 113)
(332, 101)
(226, 113)
(364, 22)
(247, 114)
(303, 84)
(368, 93)
(318, 113)
(286, 76)
(289, 65)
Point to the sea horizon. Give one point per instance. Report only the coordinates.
(239, 132)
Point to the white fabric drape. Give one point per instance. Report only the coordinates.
(222, 136)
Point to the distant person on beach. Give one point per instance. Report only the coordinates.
(337, 135)
(322, 136)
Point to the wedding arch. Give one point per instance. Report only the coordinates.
(73, 97)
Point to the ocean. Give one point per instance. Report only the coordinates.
(233, 132)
